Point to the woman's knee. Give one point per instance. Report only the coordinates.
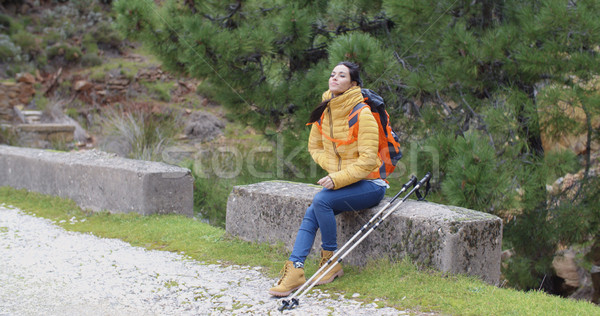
(321, 201)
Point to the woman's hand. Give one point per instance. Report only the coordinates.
(326, 182)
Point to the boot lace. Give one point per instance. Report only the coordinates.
(283, 273)
(324, 260)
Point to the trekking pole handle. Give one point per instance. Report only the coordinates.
(424, 180)
(405, 186)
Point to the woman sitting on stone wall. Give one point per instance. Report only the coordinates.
(352, 183)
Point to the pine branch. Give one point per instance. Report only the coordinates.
(377, 23)
(401, 61)
(482, 125)
(233, 9)
(588, 152)
(266, 10)
(446, 107)
(191, 5)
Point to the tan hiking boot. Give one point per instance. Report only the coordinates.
(337, 271)
(291, 279)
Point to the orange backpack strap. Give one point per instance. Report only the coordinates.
(353, 127)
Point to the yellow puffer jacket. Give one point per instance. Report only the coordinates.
(346, 164)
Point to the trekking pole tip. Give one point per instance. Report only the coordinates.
(284, 305)
(295, 302)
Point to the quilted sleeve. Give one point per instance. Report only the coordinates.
(315, 145)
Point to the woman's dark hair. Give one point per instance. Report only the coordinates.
(354, 69)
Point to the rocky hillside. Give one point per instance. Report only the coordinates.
(64, 63)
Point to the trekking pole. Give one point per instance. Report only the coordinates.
(295, 299)
(411, 182)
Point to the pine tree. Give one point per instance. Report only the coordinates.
(497, 62)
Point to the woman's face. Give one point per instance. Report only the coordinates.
(340, 81)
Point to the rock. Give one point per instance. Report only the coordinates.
(82, 85)
(566, 268)
(6, 114)
(38, 76)
(578, 282)
(121, 81)
(32, 116)
(26, 93)
(25, 78)
(507, 254)
(203, 126)
(573, 141)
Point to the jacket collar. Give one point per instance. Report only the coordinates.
(345, 102)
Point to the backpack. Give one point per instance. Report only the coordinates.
(389, 146)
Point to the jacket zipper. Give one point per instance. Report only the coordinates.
(333, 143)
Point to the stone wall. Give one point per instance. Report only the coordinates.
(14, 95)
(99, 181)
(44, 135)
(448, 238)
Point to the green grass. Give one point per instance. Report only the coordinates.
(159, 90)
(402, 285)
(127, 68)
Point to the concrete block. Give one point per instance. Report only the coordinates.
(34, 135)
(447, 238)
(99, 181)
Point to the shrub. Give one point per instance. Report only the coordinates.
(91, 60)
(70, 53)
(215, 174)
(83, 6)
(143, 135)
(559, 163)
(41, 60)
(106, 35)
(40, 102)
(52, 37)
(89, 43)
(161, 90)
(210, 197)
(8, 50)
(5, 23)
(27, 42)
(8, 136)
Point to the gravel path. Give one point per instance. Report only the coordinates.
(45, 270)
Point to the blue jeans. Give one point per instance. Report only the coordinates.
(321, 214)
